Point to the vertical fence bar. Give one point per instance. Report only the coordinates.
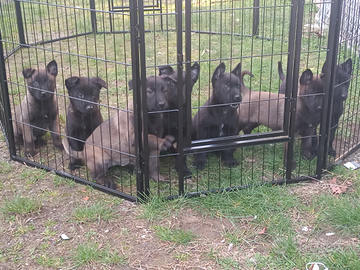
(6, 102)
(142, 103)
(19, 21)
(188, 70)
(93, 16)
(295, 79)
(331, 57)
(256, 13)
(136, 98)
(180, 143)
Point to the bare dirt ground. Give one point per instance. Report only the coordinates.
(33, 241)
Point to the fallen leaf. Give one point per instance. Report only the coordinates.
(263, 231)
(337, 189)
(86, 198)
(314, 266)
(99, 246)
(83, 191)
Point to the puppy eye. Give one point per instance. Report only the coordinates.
(35, 84)
(150, 91)
(48, 82)
(94, 94)
(80, 95)
(238, 86)
(163, 89)
(225, 86)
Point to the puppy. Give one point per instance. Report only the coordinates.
(38, 111)
(218, 116)
(113, 142)
(83, 114)
(342, 82)
(171, 118)
(266, 108)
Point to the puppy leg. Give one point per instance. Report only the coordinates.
(55, 132)
(334, 126)
(293, 162)
(28, 141)
(228, 158)
(250, 127)
(306, 142)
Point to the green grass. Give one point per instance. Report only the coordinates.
(5, 167)
(94, 212)
(21, 205)
(91, 252)
(224, 262)
(176, 235)
(50, 261)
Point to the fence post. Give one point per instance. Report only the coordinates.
(136, 99)
(93, 16)
(20, 23)
(331, 57)
(255, 30)
(299, 4)
(6, 102)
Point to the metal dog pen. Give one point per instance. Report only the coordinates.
(123, 40)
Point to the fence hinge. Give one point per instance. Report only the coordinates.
(180, 60)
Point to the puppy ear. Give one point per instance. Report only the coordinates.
(348, 65)
(306, 77)
(52, 68)
(71, 82)
(100, 82)
(218, 71)
(28, 72)
(130, 83)
(170, 81)
(195, 70)
(166, 70)
(323, 67)
(237, 70)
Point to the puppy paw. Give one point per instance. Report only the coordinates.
(231, 163)
(167, 143)
(60, 147)
(332, 152)
(30, 152)
(199, 164)
(110, 184)
(159, 178)
(186, 171)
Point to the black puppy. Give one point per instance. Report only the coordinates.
(341, 88)
(38, 109)
(83, 114)
(218, 117)
(171, 118)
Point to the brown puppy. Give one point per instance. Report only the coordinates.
(113, 142)
(83, 114)
(38, 111)
(266, 108)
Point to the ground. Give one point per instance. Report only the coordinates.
(263, 228)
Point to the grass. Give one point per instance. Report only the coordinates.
(94, 212)
(5, 167)
(93, 252)
(21, 205)
(50, 261)
(176, 235)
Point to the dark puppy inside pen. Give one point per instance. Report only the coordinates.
(218, 116)
(83, 114)
(113, 142)
(341, 88)
(266, 108)
(38, 111)
(171, 118)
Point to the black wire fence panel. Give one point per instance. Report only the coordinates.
(219, 123)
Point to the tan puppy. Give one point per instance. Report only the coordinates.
(266, 108)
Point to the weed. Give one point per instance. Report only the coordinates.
(21, 205)
(93, 212)
(49, 261)
(93, 252)
(177, 236)
(50, 223)
(224, 262)
(5, 167)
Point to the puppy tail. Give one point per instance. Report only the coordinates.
(245, 72)
(70, 151)
(280, 71)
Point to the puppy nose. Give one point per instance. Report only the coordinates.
(43, 93)
(161, 103)
(343, 95)
(237, 97)
(89, 107)
(318, 107)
